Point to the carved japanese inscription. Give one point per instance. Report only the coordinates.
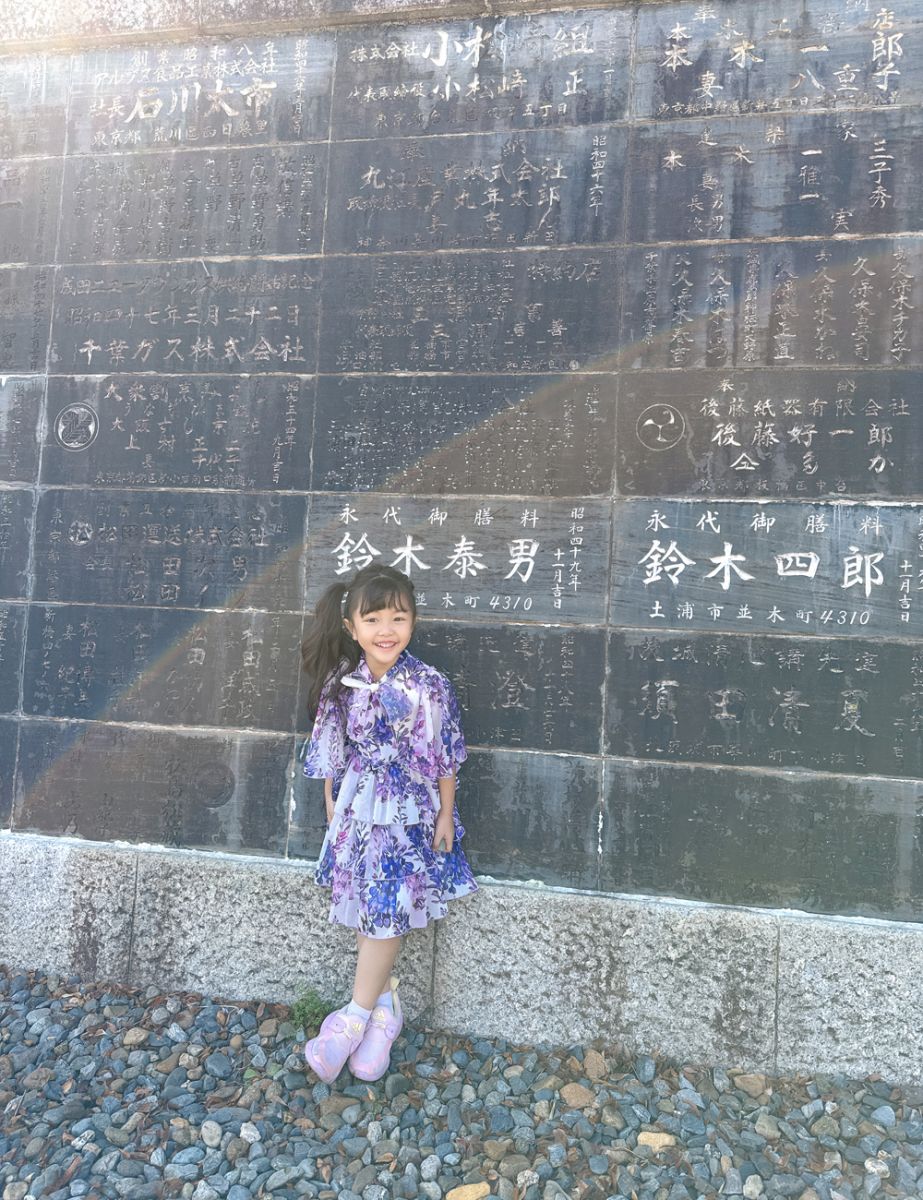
(20, 410)
(169, 206)
(33, 101)
(12, 626)
(784, 304)
(841, 570)
(710, 59)
(530, 72)
(15, 537)
(542, 435)
(550, 187)
(220, 792)
(212, 550)
(851, 706)
(29, 193)
(486, 312)
(802, 175)
(237, 93)
(522, 687)
(179, 432)
(771, 433)
(222, 317)
(25, 312)
(229, 669)
(498, 557)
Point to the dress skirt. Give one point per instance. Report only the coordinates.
(386, 879)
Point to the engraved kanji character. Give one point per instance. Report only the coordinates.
(797, 562)
(726, 563)
(742, 55)
(789, 704)
(726, 434)
(851, 712)
(203, 349)
(676, 57)
(511, 691)
(406, 556)
(352, 553)
(262, 350)
(219, 102)
(147, 105)
(660, 560)
(859, 568)
(522, 558)
(89, 348)
(658, 700)
(465, 559)
(473, 47)
(258, 94)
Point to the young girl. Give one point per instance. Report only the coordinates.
(387, 742)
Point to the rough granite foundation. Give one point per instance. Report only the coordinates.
(756, 988)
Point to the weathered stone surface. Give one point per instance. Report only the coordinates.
(845, 988)
(250, 928)
(628, 969)
(47, 23)
(693, 981)
(66, 907)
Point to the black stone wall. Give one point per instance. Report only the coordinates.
(607, 324)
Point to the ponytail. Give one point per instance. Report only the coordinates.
(327, 645)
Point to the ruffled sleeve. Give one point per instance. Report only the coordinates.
(448, 748)
(326, 753)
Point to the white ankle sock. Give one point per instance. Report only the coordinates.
(385, 999)
(356, 1010)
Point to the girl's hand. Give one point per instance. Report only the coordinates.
(328, 801)
(445, 829)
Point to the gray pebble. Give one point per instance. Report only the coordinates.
(141, 1132)
(219, 1065)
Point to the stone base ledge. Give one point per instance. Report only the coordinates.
(760, 989)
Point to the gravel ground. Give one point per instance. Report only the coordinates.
(113, 1092)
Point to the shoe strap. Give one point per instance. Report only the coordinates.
(352, 1026)
(383, 1018)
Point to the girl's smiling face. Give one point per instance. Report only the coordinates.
(382, 636)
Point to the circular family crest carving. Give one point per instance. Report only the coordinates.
(76, 426)
(213, 783)
(80, 533)
(660, 426)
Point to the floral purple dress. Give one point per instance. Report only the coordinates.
(385, 744)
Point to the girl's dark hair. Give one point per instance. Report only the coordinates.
(328, 647)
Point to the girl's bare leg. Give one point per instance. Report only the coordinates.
(373, 967)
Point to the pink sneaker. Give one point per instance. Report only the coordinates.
(371, 1058)
(337, 1037)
